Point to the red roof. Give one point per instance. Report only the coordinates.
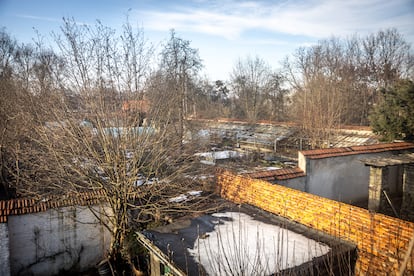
(136, 105)
(324, 153)
(21, 206)
(281, 174)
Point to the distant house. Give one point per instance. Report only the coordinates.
(141, 106)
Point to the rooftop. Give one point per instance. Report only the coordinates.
(332, 152)
(278, 174)
(399, 159)
(21, 206)
(243, 237)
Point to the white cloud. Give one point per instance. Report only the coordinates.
(49, 19)
(228, 26)
(272, 29)
(325, 18)
(318, 19)
(40, 18)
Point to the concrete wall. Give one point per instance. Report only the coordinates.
(4, 250)
(395, 179)
(61, 239)
(408, 195)
(297, 183)
(382, 241)
(343, 178)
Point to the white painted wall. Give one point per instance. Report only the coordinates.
(59, 239)
(342, 178)
(297, 183)
(4, 250)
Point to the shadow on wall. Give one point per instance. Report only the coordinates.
(56, 240)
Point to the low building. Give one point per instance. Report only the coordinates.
(344, 174)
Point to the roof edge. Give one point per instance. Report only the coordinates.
(333, 152)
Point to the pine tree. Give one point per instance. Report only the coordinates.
(393, 118)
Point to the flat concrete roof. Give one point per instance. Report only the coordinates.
(398, 159)
(208, 243)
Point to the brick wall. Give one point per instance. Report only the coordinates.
(382, 241)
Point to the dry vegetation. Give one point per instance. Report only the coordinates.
(64, 129)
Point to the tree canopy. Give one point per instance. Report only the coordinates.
(393, 117)
(64, 128)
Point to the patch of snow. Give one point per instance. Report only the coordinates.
(272, 168)
(142, 180)
(86, 123)
(203, 133)
(205, 162)
(129, 154)
(290, 164)
(194, 193)
(211, 156)
(119, 131)
(178, 199)
(152, 180)
(184, 197)
(139, 182)
(240, 245)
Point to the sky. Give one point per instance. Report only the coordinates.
(222, 30)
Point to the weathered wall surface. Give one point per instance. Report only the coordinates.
(382, 241)
(297, 183)
(342, 178)
(46, 243)
(408, 195)
(4, 250)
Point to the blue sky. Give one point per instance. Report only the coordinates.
(222, 30)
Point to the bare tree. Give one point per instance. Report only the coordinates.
(77, 49)
(180, 64)
(141, 169)
(18, 106)
(337, 81)
(252, 81)
(388, 57)
(212, 99)
(137, 54)
(317, 103)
